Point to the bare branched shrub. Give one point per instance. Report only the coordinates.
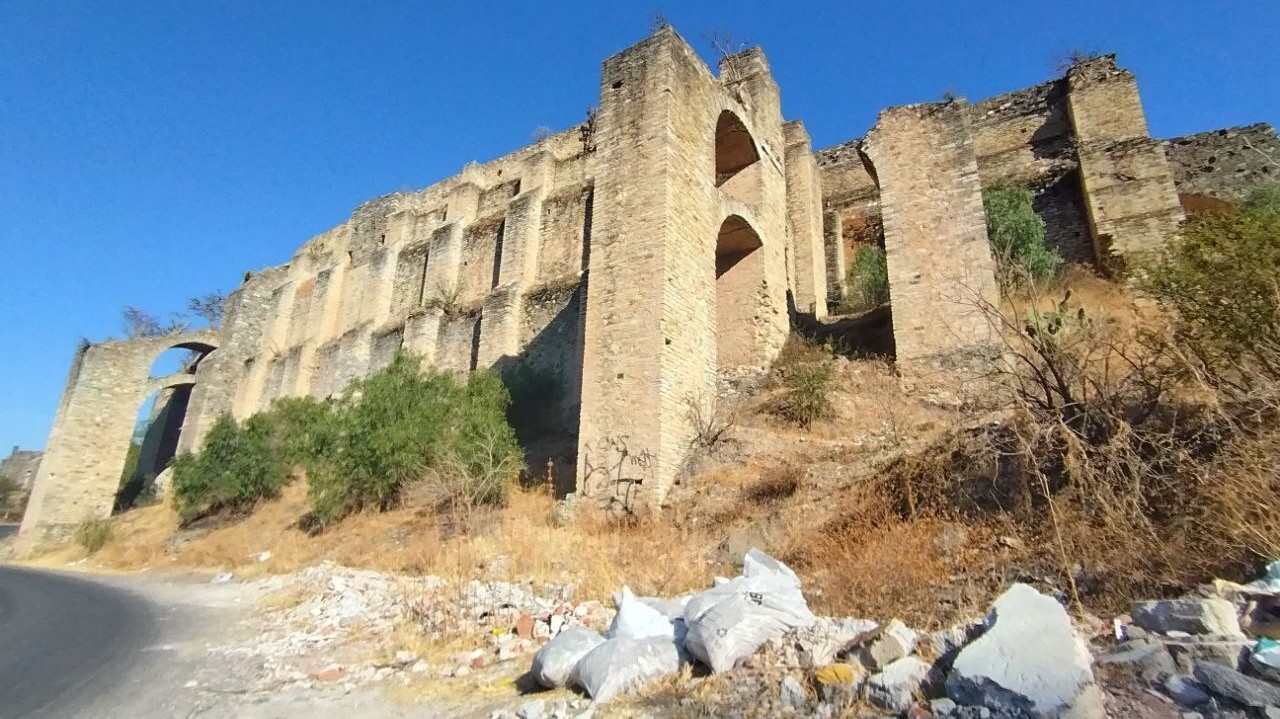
(1064, 62)
(710, 422)
(481, 478)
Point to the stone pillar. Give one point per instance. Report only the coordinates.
(1128, 184)
(833, 244)
(941, 271)
(649, 340)
(804, 208)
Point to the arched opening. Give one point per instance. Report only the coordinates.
(735, 151)
(861, 316)
(159, 422)
(739, 293)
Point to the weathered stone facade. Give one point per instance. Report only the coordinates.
(20, 467)
(641, 259)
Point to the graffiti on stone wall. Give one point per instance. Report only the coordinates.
(616, 473)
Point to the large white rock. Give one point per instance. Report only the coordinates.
(1030, 659)
(1192, 615)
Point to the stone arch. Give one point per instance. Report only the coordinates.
(735, 147)
(737, 159)
(739, 279)
(159, 420)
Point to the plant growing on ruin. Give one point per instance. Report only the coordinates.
(140, 323)
(1017, 236)
(867, 282)
(93, 534)
(1071, 58)
(208, 308)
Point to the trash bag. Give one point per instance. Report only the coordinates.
(624, 663)
(555, 661)
(729, 622)
(637, 619)
(672, 609)
(1265, 659)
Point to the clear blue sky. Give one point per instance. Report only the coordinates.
(153, 151)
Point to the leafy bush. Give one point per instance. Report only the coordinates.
(397, 426)
(867, 283)
(1264, 198)
(1220, 279)
(93, 534)
(807, 392)
(237, 467)
(1016, 234)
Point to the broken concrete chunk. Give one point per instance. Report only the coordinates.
(1233, 685)
(1030, 660)
(894, 642)
(895, 688)
(1192, 615)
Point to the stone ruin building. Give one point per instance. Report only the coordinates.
(634, 261)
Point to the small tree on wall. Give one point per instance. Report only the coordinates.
(1016, 234)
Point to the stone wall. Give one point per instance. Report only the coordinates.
(1223, 164)
(20, 467)
(682, 156)
(941, 274)
(80, 471)
(621, 272)
(1128, 185)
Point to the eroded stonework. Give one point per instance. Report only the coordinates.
(638, 261)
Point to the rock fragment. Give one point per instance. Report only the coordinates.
(1030, 660)
(895, 688)
(1191, 615)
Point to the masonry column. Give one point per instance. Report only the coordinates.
(804, 209)
(935, 234)
(648, 339)
(1128, 185)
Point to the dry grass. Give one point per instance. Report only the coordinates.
(515, 542)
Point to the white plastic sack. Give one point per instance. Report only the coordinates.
(672, 609)
(623, 663)
(555, 661)
(636, 619)
(729, 622)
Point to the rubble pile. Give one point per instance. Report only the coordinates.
(337, 606)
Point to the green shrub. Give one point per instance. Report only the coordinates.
(402, 425)
(867, 282)
(236, 468)
(1264, 198)
(394, 427)
(1016, 234)
(305, 431)
(1220, 278)
(93, 534)
(807, 392)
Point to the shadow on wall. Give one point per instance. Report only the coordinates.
(860, 336)
(545, 381)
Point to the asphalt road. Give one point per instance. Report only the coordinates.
(64, 641)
